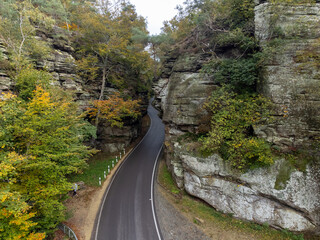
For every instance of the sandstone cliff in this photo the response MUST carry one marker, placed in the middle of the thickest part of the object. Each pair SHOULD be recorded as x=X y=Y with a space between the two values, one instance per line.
x=62 y=66
x=280 y=196
x=291 y=81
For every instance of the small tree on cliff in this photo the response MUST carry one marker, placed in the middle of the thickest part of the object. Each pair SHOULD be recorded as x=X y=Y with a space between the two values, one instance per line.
x=114 y=109
x=19 y=21
x=106 y=47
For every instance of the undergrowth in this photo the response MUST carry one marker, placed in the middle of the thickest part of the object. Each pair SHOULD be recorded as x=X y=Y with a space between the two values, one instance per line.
x=96 y=167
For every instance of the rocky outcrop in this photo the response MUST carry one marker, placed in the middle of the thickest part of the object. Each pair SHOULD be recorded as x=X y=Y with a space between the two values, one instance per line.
x=254 y=195
x=62 y=66
x=281 y=195
x=182 y=90
x=113 y=139
x=291 y=79
x=6 y=84
x=180 y=93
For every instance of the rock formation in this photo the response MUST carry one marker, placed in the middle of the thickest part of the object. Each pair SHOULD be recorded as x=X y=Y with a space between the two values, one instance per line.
x=62 y=65
x=6 y=84
x=280 y=196
x=291 y=81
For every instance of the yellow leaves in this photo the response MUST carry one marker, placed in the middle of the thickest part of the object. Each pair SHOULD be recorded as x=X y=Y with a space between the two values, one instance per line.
x=8 y=166
x=3 y=198
x=70 y=27
x=41 y=99
x=36 y=236
x=8 y=96
x=114 y=109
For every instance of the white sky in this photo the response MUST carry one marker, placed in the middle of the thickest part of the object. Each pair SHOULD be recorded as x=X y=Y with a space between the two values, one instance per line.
x=156 y=11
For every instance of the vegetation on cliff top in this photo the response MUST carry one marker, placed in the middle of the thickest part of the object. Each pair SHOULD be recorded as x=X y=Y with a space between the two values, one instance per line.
x=224 y=30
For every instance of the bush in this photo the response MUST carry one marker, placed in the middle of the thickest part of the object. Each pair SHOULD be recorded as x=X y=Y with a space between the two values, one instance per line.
x=28 y=79
x=240 y=74
x=231 y=134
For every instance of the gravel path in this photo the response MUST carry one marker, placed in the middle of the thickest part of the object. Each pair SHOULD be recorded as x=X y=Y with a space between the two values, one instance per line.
x=174 y=226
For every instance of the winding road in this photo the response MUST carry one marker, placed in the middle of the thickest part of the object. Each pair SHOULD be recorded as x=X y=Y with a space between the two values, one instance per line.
x=127 y=211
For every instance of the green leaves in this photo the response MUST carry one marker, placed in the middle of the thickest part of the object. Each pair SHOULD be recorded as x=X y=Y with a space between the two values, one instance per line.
x=28 y=79
x=111 y=46
x=18 y=23
x=240 y=74
x=41 y=142
x=231 y=134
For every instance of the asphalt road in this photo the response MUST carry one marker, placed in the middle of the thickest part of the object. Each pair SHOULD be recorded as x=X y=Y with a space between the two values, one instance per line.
x=127 y=212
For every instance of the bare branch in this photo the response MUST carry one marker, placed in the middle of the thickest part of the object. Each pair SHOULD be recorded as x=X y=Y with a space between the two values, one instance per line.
x=22 y=35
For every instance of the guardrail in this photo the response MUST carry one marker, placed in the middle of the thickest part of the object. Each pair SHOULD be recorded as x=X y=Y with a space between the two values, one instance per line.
x=68 y=231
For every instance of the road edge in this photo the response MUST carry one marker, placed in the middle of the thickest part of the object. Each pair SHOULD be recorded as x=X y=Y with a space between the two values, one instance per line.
x=154 y=213
x=94 y=233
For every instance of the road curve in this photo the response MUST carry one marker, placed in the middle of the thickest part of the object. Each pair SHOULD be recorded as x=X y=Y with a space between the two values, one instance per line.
x=127 y=211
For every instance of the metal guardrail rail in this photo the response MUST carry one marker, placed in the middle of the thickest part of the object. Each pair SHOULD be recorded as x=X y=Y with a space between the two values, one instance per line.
x=68 y=231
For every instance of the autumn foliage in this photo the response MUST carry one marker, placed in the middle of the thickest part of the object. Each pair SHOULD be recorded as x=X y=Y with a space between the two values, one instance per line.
x=40 y=144
x=115 y=109
x=70 y=27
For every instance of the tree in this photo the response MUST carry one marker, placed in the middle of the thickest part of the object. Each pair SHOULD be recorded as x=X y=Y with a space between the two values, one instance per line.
x=19 y=21
x=159 y=44
x=114 y=109
x=106 y=47
x=15 y=219
x=45 y=131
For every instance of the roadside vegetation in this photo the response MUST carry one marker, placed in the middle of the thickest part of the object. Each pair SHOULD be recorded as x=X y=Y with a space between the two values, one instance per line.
x=96 y=167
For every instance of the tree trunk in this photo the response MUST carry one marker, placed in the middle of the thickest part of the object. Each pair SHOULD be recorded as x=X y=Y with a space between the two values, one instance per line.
x=154 y=62
x=103 y=86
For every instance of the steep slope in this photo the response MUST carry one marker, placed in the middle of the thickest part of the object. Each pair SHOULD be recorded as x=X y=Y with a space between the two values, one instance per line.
x=281 y=195
x=61 y=64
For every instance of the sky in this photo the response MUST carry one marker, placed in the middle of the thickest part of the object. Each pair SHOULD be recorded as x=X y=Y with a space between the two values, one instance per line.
x=156 y=11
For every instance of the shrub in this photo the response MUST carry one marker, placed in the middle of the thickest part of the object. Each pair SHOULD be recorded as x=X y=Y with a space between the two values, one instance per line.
x=28 y=79
x=240 y=74
x=233 y=119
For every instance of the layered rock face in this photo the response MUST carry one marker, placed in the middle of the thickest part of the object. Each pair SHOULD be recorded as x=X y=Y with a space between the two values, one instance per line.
x=280 y=196
x=62 y=65
x=256 y=195
x=180 y=94
x=6 y=84
x=291 y=79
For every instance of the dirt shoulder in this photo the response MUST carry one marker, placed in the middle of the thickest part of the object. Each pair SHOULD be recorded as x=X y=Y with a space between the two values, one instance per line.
x=85 y=206
x=173 y=225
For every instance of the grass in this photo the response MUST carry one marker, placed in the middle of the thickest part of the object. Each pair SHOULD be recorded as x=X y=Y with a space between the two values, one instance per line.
x=166 y=180
x=224 y=222
x=97 y=165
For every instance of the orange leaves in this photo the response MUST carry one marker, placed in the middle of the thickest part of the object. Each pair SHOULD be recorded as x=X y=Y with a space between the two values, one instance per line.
x=36 y=236
x=115 y=109
x=71 y=27
x=15 y=218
